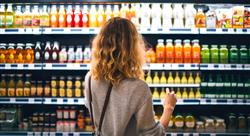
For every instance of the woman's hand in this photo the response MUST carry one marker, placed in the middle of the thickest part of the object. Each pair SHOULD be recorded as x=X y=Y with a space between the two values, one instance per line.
x=170 y=100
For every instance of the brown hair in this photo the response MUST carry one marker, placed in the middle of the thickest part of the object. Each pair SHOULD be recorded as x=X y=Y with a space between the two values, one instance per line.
x=118 y=52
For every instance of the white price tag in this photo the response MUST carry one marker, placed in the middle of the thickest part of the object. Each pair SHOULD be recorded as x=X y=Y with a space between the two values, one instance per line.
x=65 y=133
x=219 y=84
x=180 y=101
x=31 y=66
x=36 y=30
x=210 y=66
x=186 y=134
x=52 y=134
x=12 y=100
x=37 y=133
x=247 y=84
x=76 y=134
x=239 y=67
x=230 y=101
x=234 y=84
x=240 y=84
x=174 y=134
x=239 y=31
x=247 y=66
x=195 y=134
x=175 y=66
x=47 y=101
x=45 y=133
x=227 y=66
x=203 y=101
x=204 y=84
x=30 y=134
x=167 y=66
x=187 y=66
x=240 y=101
x=210 y=84
x=48 y=66
x=31 y=100
x=19 y=66
x=212 y=134
x=70 y=101
x=7 y=66
x=59 y=101
x=28 y=30
x=213 y=101
x=76 y=66
x=221 y=67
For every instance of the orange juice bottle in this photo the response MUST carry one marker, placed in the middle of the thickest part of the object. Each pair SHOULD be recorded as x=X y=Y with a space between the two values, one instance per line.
x=62 y=17
x=100 y=16
x=29 y=55
x=187 y=51
x=35 y=17
x=11 y=53
x=160 y=51
x=109 y=13
x=132 y=11
x=3 y=52
x=53 y=16
x=169 y=51
x=178 y=51
x=44 y=16
x=200 y=19
x=27 y=17
x=19 y=53
x=70 y=20
x=116 y=11
x=18 y=17
x=196 y=51
x=150 y=56
x=85 y=16
x=92 y=16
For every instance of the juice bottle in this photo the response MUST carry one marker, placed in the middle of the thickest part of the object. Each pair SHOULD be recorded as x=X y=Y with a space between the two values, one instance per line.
x=55 y=52
x=27 y=17
x=78 y=16
x=184 y=93
x=234 y=54
x=19 y=53
x=18 y=17
x=19 y=85
x=156 y=94
x=44 y=17
x=198 y=93
x=11 y=86
x=63 y=55
x=205 y=54
x=70 y=17
x=80 y=120
x=160 y=51
x=190 y=78
x=163 y=79
x=178 y=93
x=47 y=53
x=150 y=56
x=214 y=54
x=243 y=54
x=135 y=11
x=184 y=78
x=9 y=17
x=190 y=12
x=170 y=78
x=3 y=53
x=223 y=54
x=149 y=78
x=92 y=16
x=79 y=54
x=11 y=53
x=71 y=54
x=227 y=86
x=38 y=53
x=87 y=55
x=196 y=51
x=100 y=16
x=156 y=16
x=177 y=79
x=169 y=51
x=197 y=79
x=156 y=79
x=163 y=93
x=145 y=16
x=85 y=16
x=109 y=14
x=200 y=19
x=178 y=52
x=27 y=86
x=35 y=17
x=178 y=15
x=187 y=51
x=116 y=11
x=167 y=15
x=3 y=86
x=191 y=94
x=123 y=11
x=29 y=56
x=54 y=16
x=2 y=16
x=61 y=17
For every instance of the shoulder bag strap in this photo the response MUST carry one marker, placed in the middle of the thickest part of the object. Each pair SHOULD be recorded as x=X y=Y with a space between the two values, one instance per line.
x=90 y=102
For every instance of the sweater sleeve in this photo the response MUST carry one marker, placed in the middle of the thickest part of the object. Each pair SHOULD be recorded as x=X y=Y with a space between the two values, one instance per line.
x=146 y=124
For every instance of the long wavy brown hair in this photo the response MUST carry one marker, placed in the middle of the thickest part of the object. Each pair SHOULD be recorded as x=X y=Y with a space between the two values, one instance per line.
x=118 y=52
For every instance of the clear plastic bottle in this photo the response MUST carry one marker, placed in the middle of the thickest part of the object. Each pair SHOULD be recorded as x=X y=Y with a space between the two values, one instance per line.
x=100 y=16
x=79 y=54
x=87 y=55
x=156 y=16
x=145 y=16
x=167 y=15
x=190 y=12
x=108 y=13
x=44 y=16
x=18 y=17
x=63 y=55
x=70 y=21
x=85 y=16
x=178 y=15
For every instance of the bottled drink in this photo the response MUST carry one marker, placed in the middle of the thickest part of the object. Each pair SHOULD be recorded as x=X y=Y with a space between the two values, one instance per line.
x=19 y=85
x=79 y=54
x=184 y=93
x=80 y=120
x=150 y=56
x=167 y=15
x=71 y=54
x=156 y=94
x=38 y=53
x=3 y=53
x=9 y=17
x=170 y=78
x=196 y=51
x=149 y=79
x=87 y=55
x=156 y=16
x=27 y=17
x=47 y=53
x=234 y=54
x=19 y=53
x=85 y=16
x=178 y=15
x=178 y=93
x=11 y=53
x=27 y=86
x=35 y=17
x=177 y=79
x=11 y=86
x=92 y=16
x=29 y=55
x=191 y=94
x=197 y=78
x=178 y=50
x=190 y=78
x=163 y=79
x=169 y=51
x=160 y=51
x=3 y=85
x=145 y=16
x=214 y=54
x=187 y=52
x=205 y=54
x=163 y=93
x=54 y=16
x=108 y=13
x=44 y=17
x=243 y=54
x=18 y=17
x=189 y=12
x=55 y=52
x=116 y=11
x=63 y=55
x=2 y=16
x=62 y=17
x=200 y=19
x=135 y=9
x=70 y=17
x=156 y=79
x=100 y=16
x=223 y=54
x=77 y=16
x=184 y=78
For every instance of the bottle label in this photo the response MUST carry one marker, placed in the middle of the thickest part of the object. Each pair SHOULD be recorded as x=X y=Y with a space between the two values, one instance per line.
x=2 y=20
x=18 y=21
x=37 y=56
x=61 y=19
x=78 y=56
x=190 y=124
x=179 y=124
x=44 y=20
x=54 y=56
x=36 y=21
x=84 y=18
x=69 y=19
x=46 y=55
x=9 y=20
x=27 y=21
x=77 y=19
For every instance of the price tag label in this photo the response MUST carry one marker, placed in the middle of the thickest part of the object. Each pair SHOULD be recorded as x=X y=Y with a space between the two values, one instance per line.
x=19 y=66
x=213 y=101
x=247 y=84
x=76 y=66
x=36 y=30
x=31 y=100
x=81 y=101
x=76 y=134
x=167 y=66
x=186 y=134
x=227 y=66
x=240 y=84
x=239 y=31
x=240 y=101
x=45 y=133
x=180 y=101
x=29 y=30
x=210 y=84
x=70 y=101
x=175 y=66
x=174 y=134
x=195 y=134
x=65 y=133
x=239 y=67
x=48 y=66
x=7 y=66
x=187 y=66
x=37 y=133
x=52 y=134
x=30 y=134
x=203 y=101
x=210 y=66
x=212 y=134
x=203 y=84
x=230 y=101
x=12 y=100
x=221 y=67
x=59 y=101
x=47 y=101
x=247 y=66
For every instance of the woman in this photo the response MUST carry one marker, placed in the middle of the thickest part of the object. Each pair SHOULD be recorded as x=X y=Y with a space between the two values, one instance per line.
x=117 y=59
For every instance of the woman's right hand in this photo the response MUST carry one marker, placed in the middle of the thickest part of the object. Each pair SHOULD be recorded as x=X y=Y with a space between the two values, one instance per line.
x=170 y=100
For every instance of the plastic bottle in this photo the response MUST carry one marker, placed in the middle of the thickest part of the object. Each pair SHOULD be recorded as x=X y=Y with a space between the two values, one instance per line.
x=11 y=53
x=19 y=53
x=79 y=54
x=70 y=18
x=108 y=13
x=155 y=94
x=234 y=54
x=135 y=9
x=145 y=16
x=198 y=93
x=71 y=54
x=184 y=93
x=87 y=55
x=156 y=79
x=205 y=54
x=3 y=53
x=190 y=78
x=29 y=55
x=167 y=15
x=44 y=17
x=150 y=56
x=156 y=16
x=77 y=16
x=187 y=53
x=177 y=79
x=85 y=16
x=47 y=53
x=19 y=85
x=178 y=51
x=9 y=17
x=214 y=54
x=35 y=17
x=92 y=16
x=54 y=16
x=163 y=79
x=170 y=78
x=2 y=16
x=3 y=85
x=149 y=79
x=62 y=17
x=196 y=51
x=55 y=52
x=160 y=51
x=178 y=15
x=189 y=13
x=27 y=17
x=243 y=54
x=18 y=17
x=178 y=93
x=80 y=120
x=197 y=79
x=191 y=94
x=116 y=11
x=200 y=19
x=169 y=51
x=63 y=55
x=163 y=93
x=184 y=78
x=38 y=53
x=223 y=54
x=100 y=16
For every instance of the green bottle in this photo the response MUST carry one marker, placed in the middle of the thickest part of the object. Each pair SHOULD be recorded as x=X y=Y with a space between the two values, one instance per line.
x=233 y=88
x=205 y=54
x=223 y=54
x=234 y=54
x=243 y=54
x=219 y=87
x=214 y=54
x=211 y=87
x=227 y=86
x=240 y=87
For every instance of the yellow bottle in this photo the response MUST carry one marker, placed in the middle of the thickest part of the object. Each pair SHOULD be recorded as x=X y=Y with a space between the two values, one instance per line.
x=184 y=78
x=9 y=17
x=184 y=93
x=198 y=93
x=163 y=79
x=178 y=93
x=190 y=79
x=156 y=94
x=163 y=93
x=2 y=15
x=177 y=79
x=191 y=94
x=197 y=78
x=148 y=79
x=156 y=79
x=170 y=78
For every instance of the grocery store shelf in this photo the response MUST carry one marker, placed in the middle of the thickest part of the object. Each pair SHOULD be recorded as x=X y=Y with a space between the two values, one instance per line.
x=70 y=30
x=35 y=66
x=224 y=66
x=24 y=133
x=64 y=101
x=168 y=66
x=20 y=31
x=174 y=85
x=9 y=100
x=224 y=31
x=66 y=66
x=205 y=134
x=170 y=31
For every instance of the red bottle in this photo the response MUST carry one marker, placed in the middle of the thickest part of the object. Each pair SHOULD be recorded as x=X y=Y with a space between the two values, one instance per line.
x=78 y=16
x=85 y=16
x=55 y=53
x=47 y=53
x=70 y=17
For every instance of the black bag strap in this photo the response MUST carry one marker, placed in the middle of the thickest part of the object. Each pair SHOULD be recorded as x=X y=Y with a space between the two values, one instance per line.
x=104 y=106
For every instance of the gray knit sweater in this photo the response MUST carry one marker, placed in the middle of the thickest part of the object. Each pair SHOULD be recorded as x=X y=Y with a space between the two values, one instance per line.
x=130 y=110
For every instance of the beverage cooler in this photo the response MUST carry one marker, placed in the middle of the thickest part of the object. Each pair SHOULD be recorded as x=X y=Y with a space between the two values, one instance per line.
x=199 y=49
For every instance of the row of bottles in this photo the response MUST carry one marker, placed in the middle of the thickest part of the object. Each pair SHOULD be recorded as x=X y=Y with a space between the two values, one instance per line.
x=224 y=54
x=179 y=52
x=49 y=52
x=17 y=86
x=183 y=78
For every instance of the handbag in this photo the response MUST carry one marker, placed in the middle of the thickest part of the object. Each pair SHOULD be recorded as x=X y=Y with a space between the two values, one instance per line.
x=99 y=130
